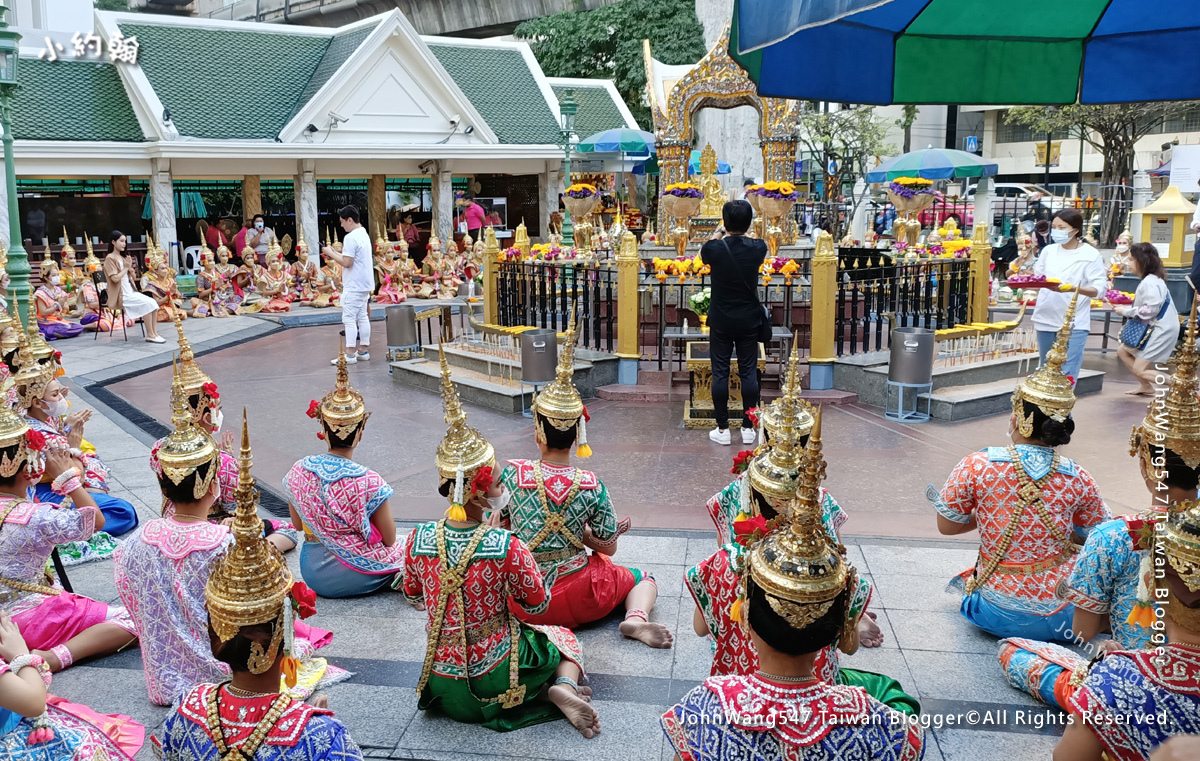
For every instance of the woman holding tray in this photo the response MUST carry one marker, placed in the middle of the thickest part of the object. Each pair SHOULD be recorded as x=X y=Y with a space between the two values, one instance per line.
x=1154 y=322
x=1077 y=266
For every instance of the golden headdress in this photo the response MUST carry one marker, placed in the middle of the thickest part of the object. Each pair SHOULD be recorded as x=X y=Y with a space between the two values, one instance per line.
x=774 y=471
x=224 y=248
x=48 y=262
x=778 y=417
x=13 y=430
x=559 y=401
x=1048 y=388
x=32 y=376
x=1173 y=420
x=42 y=351
x=301 y=246
x=342 y=409
x=337 y=244
x=67 y=250
x=206 y=253
x=248 y=249
x=251 y=582
x=801 y=571
x=381 y=241
x=186 y=448
x=90 y=262
x=195 y=382
x=463 y=451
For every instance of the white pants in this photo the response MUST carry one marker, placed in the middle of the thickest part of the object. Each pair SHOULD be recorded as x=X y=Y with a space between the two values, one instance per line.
x=356 y=317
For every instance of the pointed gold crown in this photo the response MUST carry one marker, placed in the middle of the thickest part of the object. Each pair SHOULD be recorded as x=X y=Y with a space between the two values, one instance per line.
x=301 y=246
x=381 y=241
x=342 y=409
x=559 y=402
x=801 y=571
x=463 y=450
x=206 y=253
x=1173 y=420
x=789 y=415
x=1048 y=388
x=250 y=583
x=41 y=350
x=191 y=376
x=66 y=249
x=248 y=249
x=90 y=261
x=337 y=244
x=12 y=431
x=48 y=262
x=33 y=376
x=187 y=447
x=223 y=247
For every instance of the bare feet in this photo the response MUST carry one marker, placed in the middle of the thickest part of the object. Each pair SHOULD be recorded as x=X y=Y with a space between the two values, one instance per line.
x=319 y=701
x=1140 y=391
x=869 y=633
x=576 y=708
x=652 y=634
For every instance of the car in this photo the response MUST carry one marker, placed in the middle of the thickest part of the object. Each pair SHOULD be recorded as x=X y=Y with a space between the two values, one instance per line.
x=1018 y=199
x=961 y=210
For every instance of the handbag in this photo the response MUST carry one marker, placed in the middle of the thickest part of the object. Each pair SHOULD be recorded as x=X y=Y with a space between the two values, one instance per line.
x=764 y=326
x=1136 y=334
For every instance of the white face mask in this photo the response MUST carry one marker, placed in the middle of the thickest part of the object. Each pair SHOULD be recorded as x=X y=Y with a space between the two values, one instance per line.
x=56 y=408
x=1122 y=248
x=501 y=502
x=218 y=420
x=1060 y=236
x=55 y=279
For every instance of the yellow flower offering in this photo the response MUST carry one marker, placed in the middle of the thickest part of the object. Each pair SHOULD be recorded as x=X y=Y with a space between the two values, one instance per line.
x=914 y=181
x=681 y=186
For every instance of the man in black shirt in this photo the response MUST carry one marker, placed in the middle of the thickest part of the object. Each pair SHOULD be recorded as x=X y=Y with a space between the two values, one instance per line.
x=735 y=314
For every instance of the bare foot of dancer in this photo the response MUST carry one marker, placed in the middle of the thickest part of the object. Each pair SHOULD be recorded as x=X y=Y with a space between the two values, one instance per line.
x=320 y=700
x=1141 y=391
x=635 y=626
x=869 y=633
x=576 y=708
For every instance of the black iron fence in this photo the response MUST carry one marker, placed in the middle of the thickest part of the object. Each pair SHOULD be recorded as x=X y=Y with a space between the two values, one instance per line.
x=541 y=294
x=876 y=292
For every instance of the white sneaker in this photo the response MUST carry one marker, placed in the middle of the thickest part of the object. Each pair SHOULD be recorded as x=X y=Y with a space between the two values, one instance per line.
x=350 y=360
x=364 y=356
x=155 y=340
x=717 y=436
x=749 y=435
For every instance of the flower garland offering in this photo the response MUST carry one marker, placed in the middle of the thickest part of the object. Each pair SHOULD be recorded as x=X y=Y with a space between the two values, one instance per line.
x=683 y=190
x=783 y=190
x=1033 y=281
x=789 y=270
x=911 y=187
x=581 y=190
x=700 y=301
x=1118 y=297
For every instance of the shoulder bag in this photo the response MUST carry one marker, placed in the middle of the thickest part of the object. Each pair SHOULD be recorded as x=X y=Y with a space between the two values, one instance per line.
x=1136 y=334
x=764 y=326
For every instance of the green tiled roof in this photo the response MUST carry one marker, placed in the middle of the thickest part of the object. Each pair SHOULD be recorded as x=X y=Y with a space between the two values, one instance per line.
x=597 y=111
x=340 y=48
x=72 y=100
x=500 y=85
x=219 y=83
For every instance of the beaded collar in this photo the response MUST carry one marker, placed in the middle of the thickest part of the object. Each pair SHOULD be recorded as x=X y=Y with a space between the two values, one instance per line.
x=801 y=715
x=239 y=716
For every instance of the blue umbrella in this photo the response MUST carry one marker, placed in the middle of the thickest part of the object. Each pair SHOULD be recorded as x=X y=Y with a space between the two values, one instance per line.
x=634 y=141
x=932 y=164
x=694 y=165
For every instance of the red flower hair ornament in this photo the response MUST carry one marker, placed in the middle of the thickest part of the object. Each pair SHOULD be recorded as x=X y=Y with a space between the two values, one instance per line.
x=313 y=407
x=483 y=480
x=210 y=390
x=753 y=414
x=304 y=600
x=741 y=461
x=749 y=530
x=35 y=440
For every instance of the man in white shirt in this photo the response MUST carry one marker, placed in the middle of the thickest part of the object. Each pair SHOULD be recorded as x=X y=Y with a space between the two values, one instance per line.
x=358 y=281
x=260 y=237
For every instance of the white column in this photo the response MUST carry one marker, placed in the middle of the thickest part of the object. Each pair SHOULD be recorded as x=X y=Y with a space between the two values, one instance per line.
x=306 y=204
x=549 y=184
x=858 y=225
x=983 y=205
x=443 y=204
x=162 y=199
x=1142 y=196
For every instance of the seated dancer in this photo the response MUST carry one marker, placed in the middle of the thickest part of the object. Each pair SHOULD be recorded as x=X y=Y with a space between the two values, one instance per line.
x=162 y=569
x=44 y=401
x=205 y=305
x=1133 y=701
x=560 y=512
x=350 y=545
x=247 y=278
x=302 y=274
x=250 y=596
x=159 y=284
x=798 y=602
x=1106 y=583
x=227 y=290
x=37 y=726
x=273 y=283
x=387 y=272
x=88 y=297
x=61 y=627
x=204 y=405
x=482 y=665
x=50 y=302
x=717 y=585
x=1027 y=501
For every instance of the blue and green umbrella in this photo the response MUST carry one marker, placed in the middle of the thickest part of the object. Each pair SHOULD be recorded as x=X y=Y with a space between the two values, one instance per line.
x=933 y=164
x=632 y=141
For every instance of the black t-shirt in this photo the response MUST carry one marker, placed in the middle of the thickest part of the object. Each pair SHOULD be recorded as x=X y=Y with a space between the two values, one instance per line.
x=734 y=307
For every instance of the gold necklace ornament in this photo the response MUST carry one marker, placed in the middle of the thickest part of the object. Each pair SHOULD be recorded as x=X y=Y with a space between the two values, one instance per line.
x=245 y=750
x=553 y=520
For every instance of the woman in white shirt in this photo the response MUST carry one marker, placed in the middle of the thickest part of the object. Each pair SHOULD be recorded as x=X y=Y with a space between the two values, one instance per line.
x=1079 y=266
x=1151 y=305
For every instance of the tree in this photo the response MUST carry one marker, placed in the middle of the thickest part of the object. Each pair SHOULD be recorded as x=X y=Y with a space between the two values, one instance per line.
x=114 y=5
x=905 y=122
x=848 y=138
x=1113 y=130
x=606 y=43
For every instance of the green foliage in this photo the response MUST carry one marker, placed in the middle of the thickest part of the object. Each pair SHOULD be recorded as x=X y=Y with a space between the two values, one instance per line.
x=606 y=43
x=114 y=5
x=851 y=136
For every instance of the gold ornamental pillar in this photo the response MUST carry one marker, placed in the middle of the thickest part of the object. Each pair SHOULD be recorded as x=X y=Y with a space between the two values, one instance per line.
x=824 y=323
x=673 y=158
x=981 y=273
x=251 y=196
x=628 y=350
x=491 y=277
x=779 y=164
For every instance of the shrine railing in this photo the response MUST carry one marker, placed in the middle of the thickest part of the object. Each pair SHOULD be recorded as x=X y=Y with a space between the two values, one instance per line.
x=541 y=293
x=876 y=292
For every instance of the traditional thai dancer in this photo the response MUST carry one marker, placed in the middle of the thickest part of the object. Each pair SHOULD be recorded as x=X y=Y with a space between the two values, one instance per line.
x=247 y=278
x=50 y=301
x=482 y=665
x=273 y=284
x=1131 y=702
x=250 y=597
x=1027 y=502
x=206 y=304
x=303 y=273
x=61 y=627
x=561 y=512
x=389 y=291
x=159 y=283
x=88 y=297
x=161 y=570
x=799 y=588
x=228 y=292
x=1106 y=584
x=350 y=545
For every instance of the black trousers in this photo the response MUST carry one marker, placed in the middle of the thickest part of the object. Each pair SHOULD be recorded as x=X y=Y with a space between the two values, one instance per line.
x=721 y=346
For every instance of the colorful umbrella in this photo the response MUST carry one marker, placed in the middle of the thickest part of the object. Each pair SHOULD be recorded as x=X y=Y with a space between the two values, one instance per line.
x=633 y=141
x=651 y=165
x=932 y=164
x=994 y=52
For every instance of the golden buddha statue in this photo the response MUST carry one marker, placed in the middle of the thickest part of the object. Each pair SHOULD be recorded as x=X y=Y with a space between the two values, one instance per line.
x=714 y=194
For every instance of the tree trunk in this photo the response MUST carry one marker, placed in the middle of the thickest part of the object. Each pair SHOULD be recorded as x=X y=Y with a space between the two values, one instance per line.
x=1118 y=159
x=907 y=138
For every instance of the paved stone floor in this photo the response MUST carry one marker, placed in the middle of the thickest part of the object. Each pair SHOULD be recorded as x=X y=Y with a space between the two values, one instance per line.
x=659 y=473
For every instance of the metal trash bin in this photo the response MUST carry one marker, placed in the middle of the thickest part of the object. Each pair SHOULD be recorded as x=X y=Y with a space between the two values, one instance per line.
x=539 y=356
x=910 y=374
x=401 y=322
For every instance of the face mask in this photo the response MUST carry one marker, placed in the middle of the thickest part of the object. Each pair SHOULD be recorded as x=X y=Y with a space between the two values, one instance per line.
x=258 y=225
x=217 y=421
x=1060 y=236
x=1122 y=248
x=55 y=279
x=501 y=502
x=57 y=408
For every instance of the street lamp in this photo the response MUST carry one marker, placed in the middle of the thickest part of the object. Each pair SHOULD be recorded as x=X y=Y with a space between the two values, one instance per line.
x=18 y=259
x=567 y=108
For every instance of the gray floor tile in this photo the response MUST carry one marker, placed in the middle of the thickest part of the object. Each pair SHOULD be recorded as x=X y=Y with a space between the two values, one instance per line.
x=979 y=745
x=378 y=715
x=943 y=632
x=606 y=651
x=917 y=561
x=963 y=676
x=391 y=640
x=632 y=550
x=914 y=593
x=700 y=548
